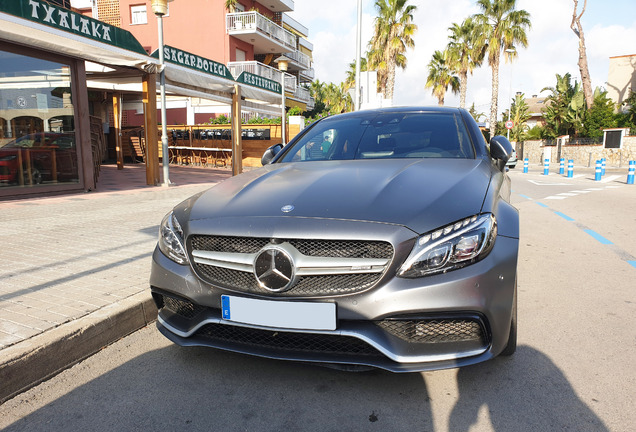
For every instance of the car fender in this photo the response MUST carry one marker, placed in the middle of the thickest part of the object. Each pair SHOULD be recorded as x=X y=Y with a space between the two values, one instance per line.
x=497 y=201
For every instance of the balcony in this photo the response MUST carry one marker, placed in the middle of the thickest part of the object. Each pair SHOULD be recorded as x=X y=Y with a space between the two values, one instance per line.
x=311 y=104
x=264 y=71
x=266 y=36
x=279 y=5
x=299 y=61
x=307 y=74
x=302 y=94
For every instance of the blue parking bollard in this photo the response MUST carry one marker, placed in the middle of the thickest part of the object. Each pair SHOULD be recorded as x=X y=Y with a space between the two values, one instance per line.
x=525 y=166
x=630 y=173
x=562 y=166
x=571 y=168
x=602 y=167
x=597 y=175
x=546 y=166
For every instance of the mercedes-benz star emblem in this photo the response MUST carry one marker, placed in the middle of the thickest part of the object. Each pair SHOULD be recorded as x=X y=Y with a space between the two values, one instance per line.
x=274 y=269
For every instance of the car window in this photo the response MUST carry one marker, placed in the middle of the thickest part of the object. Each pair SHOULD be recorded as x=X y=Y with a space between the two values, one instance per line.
x=387 y=135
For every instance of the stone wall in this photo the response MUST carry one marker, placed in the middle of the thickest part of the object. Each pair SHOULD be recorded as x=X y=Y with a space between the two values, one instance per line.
x=583 y=155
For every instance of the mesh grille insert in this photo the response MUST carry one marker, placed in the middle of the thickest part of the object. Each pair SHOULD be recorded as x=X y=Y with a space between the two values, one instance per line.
x=298 y=342
x=435 y=330
x=182 y=307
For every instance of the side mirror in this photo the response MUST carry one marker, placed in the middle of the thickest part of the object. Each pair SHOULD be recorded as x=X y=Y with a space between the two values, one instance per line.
x=270 y=153
x=500 y=150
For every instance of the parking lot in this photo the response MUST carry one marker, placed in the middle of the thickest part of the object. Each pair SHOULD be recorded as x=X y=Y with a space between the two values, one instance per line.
x=573 y=369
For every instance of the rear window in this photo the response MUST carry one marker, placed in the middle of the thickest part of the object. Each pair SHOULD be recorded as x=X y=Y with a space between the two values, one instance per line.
x=386 y=135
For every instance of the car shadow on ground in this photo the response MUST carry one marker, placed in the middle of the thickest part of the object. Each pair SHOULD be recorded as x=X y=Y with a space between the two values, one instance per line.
x=524 y=392
x=194 y=389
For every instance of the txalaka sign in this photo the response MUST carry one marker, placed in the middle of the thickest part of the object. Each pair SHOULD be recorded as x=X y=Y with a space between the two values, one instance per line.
x=56 y=16
x=63 y=19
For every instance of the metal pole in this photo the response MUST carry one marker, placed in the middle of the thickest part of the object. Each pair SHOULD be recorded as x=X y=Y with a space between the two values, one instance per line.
x=162 y=90
x=283 y=117
x=510 y=99
x=356 y=102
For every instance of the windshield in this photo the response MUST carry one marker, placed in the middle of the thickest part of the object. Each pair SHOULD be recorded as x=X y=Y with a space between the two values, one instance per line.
x=387 y=135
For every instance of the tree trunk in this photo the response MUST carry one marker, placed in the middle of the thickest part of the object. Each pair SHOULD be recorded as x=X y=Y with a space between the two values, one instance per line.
x=495 y=95
x=586 y=80
x=463 y=85
x=390 y=81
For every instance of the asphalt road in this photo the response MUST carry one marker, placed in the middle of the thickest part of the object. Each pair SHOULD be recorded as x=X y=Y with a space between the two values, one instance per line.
x=574 y=368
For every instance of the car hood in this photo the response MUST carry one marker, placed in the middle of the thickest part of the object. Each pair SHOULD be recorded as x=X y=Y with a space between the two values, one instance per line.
x=422 y=194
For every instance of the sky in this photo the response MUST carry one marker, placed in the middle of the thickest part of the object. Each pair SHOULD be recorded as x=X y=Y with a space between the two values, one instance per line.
x=609 y=27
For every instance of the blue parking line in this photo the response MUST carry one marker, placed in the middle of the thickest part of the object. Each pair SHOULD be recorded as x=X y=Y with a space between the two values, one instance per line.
x=526 y=197
x=598 y=237
x=632 y=263
x=541 y=204
x=564 y=216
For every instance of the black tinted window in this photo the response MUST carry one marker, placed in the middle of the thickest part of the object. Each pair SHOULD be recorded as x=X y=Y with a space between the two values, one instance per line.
x=388 y=135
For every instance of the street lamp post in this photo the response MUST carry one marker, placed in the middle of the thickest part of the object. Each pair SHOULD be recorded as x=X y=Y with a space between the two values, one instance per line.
x=283 y=65
x=160 y=8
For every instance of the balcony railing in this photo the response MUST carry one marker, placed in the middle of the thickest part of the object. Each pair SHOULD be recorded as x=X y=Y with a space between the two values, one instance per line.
x=262 y=70
x=302 y=94
x=311 y=104
x=300 y=58
x=253 y=22
x=309 y=74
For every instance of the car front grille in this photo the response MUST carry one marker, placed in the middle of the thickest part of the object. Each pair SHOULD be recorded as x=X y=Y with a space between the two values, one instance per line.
x=305 y=286
x=179 y=306
x=288 y=341
x=436 y=330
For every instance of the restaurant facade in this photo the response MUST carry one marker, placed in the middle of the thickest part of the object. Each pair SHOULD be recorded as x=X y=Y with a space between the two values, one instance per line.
x=63 y=74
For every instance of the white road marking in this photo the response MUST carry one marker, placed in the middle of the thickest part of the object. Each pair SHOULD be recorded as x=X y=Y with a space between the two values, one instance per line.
x=538 y=183
x=610 y=178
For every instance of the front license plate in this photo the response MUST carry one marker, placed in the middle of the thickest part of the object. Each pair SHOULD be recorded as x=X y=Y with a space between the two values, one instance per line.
x=279 y=314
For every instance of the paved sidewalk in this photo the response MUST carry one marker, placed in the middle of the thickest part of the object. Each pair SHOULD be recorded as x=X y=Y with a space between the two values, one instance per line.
x=74 y=269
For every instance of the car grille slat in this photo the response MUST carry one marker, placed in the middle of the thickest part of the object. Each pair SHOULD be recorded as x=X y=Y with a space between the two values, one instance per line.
x=306 y=286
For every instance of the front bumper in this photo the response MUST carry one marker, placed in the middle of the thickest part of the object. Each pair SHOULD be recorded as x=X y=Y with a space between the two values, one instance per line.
x=478 y=298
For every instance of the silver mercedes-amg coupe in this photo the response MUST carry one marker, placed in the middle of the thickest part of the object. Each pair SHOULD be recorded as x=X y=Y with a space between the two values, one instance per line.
x=380 y=238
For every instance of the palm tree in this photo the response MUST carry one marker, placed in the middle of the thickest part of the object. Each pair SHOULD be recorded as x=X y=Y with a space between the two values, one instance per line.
x=502 y=27
x=465 y=53
x=564 y=107
x=350 y=79
x=394 y=30
x=440 y=76
x=230 y=5
x=519 y=114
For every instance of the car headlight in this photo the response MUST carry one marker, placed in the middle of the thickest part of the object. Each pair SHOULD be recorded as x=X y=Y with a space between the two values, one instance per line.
x=8 y=158
x=171 y=239
x=451 y=247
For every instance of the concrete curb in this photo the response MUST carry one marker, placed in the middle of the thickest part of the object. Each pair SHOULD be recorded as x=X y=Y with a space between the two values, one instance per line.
x=37 y=359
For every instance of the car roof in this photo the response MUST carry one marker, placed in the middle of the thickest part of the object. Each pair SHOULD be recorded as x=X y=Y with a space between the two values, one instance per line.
x=401 y=110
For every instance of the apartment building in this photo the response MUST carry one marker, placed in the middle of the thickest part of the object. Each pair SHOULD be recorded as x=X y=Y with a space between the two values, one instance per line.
x=255 y=37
